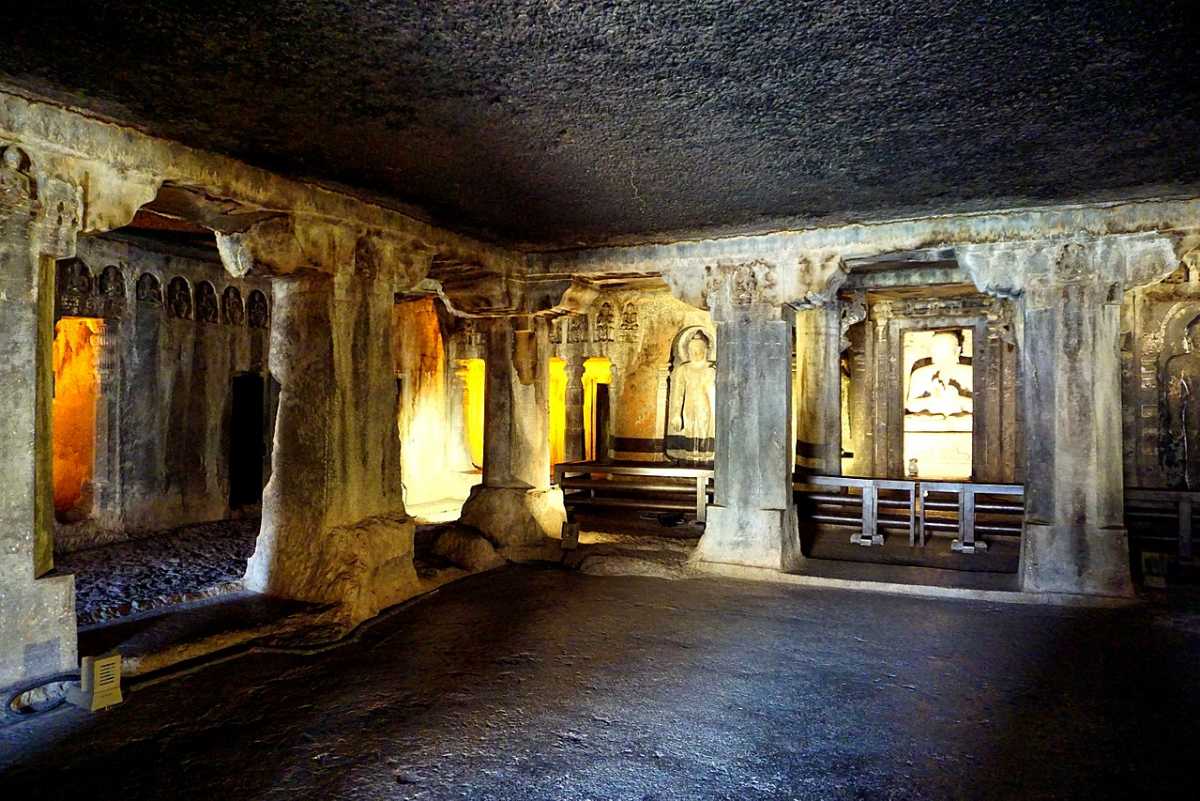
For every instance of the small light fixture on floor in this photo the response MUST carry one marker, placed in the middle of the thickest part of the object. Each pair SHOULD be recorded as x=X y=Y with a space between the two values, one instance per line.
x=99 y=683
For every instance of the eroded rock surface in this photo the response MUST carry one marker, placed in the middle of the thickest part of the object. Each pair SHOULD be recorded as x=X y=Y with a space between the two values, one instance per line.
x=116 y=580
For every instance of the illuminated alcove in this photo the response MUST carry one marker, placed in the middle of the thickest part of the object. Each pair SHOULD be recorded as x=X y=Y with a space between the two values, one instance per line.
x=558 y=410
x=938 y=403
x=471 y=374
x=419 y=350
x=596 y=371
x=76 y=392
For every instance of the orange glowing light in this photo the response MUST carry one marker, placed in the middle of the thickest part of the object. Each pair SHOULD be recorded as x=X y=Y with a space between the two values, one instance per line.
x=596 y=370
x=471 y=372
x=76 y=390
x=558 y=411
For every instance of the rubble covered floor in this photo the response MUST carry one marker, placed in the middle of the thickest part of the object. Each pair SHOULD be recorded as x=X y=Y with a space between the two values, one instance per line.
x=182 y=564
x=536 y=684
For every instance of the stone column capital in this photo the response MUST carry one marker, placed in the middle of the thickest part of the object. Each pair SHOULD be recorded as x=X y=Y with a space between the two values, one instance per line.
x=1116 y=262
x=291 y=243
x=47 y=208
x=757 y=289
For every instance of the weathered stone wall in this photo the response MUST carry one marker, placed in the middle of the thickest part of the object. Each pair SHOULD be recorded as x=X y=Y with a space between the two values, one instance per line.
x=1155 y=349
x=423 y=420
x=177 y=330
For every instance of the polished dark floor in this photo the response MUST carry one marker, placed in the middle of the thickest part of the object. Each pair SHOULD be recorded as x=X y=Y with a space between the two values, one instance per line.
x=543 y=684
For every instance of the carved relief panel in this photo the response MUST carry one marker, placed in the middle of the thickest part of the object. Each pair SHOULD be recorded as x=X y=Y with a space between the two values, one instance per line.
x=179 y=299
x=75 y=297
x=258 y=314
x=207 y=309
x=231 y=303
x=691 y=400
x=149 y=290
x=1160 y=366
x=577 y=329
x=604 y=322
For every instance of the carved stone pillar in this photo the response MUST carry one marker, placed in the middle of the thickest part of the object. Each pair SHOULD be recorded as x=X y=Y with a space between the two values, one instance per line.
x=333 y=527
x=37 y=616
x=1074 y=539
x=819 y=390
x=753 y=518
x=574 y=450
x=515 y=504
x=106 y=480
x=1074 y=511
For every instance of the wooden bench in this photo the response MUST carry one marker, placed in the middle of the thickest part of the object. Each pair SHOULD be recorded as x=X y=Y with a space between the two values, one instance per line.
x=652 y=487
x=1148 y=510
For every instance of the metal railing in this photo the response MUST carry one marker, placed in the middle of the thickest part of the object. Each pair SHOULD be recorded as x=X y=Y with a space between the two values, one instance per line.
x=960 y=501
x=856 y=503
x=919 y=509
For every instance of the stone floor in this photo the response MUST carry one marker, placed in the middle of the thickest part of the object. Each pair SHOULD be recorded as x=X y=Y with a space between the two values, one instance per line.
x=544 y=684
x=182 y=564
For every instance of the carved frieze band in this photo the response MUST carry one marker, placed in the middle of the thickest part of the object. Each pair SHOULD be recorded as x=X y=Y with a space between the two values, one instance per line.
x=81 y=295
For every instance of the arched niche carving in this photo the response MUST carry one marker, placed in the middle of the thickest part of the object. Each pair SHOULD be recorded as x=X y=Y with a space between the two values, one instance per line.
x=258 y=313
x=231 y=303
x=605 y=318
x=207 y=308
x=111 y=292
x=577 y=328
x=179 y=298
x=691 y=398
x=1177 y=342
x=148 y=289
x=629 y=322
x=75 y=296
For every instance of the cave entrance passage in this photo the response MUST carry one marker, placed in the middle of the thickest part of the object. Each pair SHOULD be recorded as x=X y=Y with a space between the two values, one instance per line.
x=246 y=450
x=76 y=394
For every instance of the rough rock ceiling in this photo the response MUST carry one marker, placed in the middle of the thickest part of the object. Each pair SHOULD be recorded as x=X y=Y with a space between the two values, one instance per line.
x=559 y=122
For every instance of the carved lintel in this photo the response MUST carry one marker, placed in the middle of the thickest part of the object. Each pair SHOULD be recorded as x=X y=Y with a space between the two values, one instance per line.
x=1036 y=267
x=286 y=244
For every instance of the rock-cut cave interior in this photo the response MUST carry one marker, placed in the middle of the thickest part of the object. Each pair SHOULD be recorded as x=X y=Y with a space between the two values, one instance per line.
x=540 y=399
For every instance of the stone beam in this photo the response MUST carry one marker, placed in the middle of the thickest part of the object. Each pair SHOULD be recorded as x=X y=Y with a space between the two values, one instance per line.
x=115 y=159
x=288 y=244
x=682 y=264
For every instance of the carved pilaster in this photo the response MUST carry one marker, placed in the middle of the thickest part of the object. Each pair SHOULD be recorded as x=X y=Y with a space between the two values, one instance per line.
x=39 y=221
x=1070 y=294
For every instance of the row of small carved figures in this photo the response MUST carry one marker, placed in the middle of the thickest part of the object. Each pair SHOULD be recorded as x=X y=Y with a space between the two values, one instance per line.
x=577 y=326
x=79 y=293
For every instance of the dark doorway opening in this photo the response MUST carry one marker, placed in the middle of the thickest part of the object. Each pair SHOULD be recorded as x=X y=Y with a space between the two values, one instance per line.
x=600 y=424
x=246 y=446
